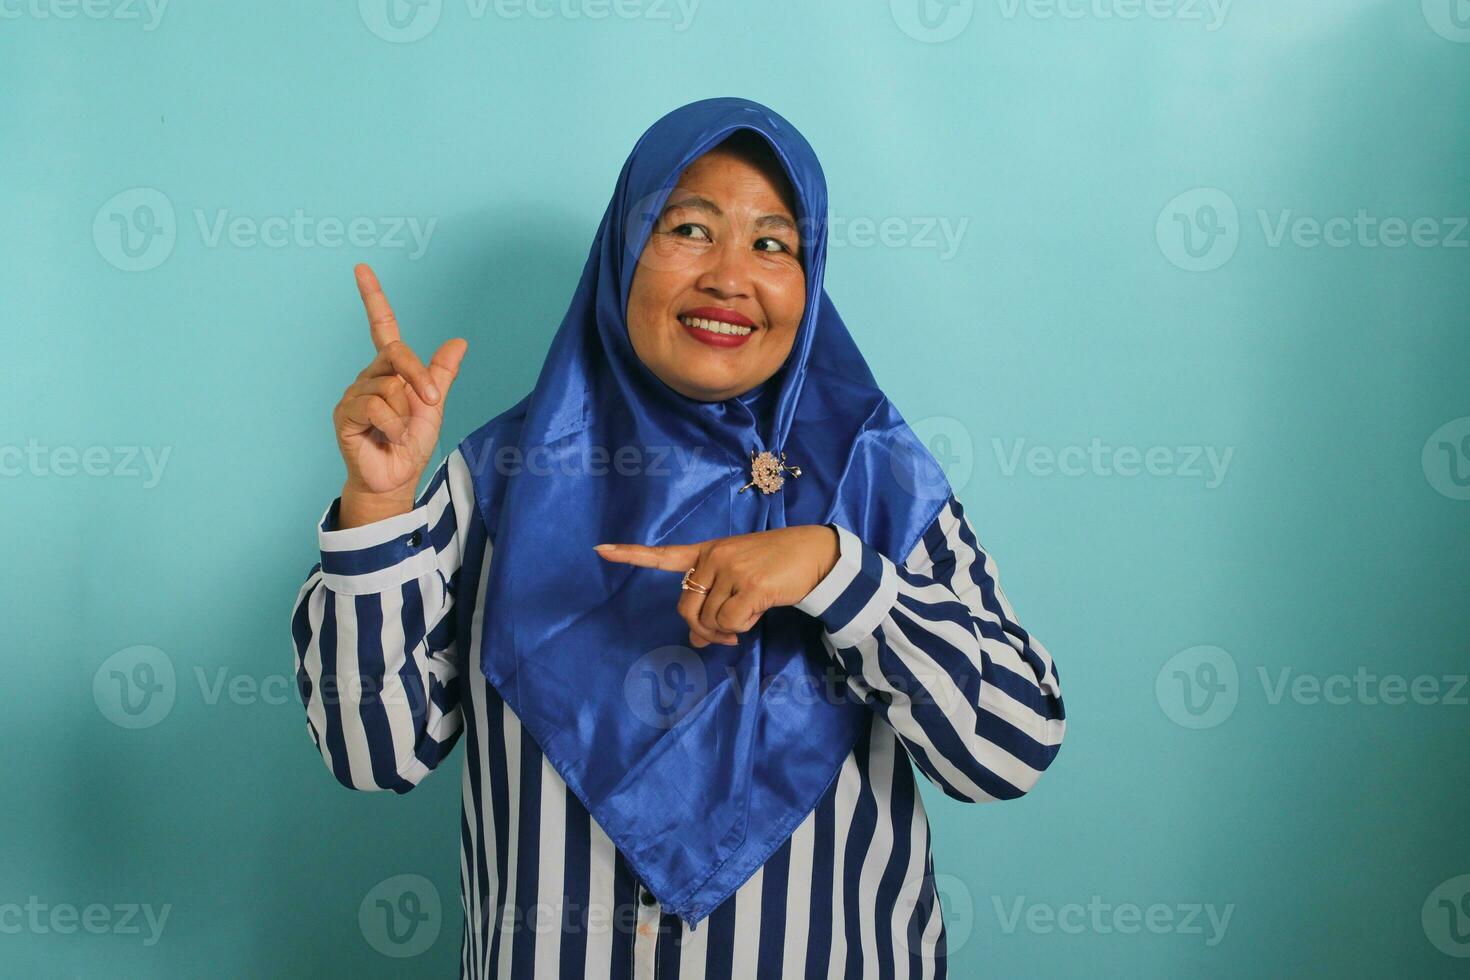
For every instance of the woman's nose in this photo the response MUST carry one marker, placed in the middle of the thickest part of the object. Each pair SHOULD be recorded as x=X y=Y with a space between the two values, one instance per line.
x=728 y=272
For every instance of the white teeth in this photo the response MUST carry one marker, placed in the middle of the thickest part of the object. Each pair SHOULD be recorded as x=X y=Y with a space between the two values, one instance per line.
x=715 y=326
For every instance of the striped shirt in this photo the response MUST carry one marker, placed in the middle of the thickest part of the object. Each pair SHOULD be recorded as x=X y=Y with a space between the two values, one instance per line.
x=956 y=687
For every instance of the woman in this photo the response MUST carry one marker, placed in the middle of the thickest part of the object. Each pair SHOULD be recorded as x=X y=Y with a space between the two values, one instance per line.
x=661 y=599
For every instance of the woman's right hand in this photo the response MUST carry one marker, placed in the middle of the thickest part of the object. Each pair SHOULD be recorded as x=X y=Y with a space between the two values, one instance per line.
x=388 y=420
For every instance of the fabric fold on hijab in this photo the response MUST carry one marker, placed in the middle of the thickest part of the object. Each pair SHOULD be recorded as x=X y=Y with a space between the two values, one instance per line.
x=698 y=764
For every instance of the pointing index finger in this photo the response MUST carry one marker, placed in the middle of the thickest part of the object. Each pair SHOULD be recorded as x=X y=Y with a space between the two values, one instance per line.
x=668 y=558
x=381 y=322
x=384 y=327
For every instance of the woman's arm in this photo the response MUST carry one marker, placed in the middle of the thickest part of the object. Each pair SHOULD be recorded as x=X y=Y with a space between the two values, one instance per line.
x=934 y=647
x=374 y=635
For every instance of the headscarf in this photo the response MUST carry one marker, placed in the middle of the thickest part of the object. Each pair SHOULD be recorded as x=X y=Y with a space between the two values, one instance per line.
x=700 y=764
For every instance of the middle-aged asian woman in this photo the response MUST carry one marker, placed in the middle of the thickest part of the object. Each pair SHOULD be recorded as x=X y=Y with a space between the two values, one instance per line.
x=694 y=605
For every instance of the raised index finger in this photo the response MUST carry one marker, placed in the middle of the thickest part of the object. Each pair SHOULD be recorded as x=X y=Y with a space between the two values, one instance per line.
x=381 y=321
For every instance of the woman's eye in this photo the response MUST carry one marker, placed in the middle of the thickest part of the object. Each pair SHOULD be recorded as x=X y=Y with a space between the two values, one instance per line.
x=679 y=230
x=780 y=245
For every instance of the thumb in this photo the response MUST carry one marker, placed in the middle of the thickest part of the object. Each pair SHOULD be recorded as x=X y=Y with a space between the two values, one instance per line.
x=444 y=365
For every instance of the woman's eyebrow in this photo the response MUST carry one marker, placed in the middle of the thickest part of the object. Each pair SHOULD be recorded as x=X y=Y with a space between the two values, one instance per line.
x=699 y=203
x=696 y=202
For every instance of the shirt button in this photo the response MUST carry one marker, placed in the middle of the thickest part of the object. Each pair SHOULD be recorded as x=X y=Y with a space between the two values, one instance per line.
x=415 y=539
x=646 y=896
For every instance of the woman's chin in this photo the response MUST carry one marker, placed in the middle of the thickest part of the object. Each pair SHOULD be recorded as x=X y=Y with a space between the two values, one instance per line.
x=710 y=378
x=710 y=387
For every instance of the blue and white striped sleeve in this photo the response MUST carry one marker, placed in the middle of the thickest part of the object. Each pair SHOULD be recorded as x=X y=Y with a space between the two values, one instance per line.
x=934 y=647
x=374 y=634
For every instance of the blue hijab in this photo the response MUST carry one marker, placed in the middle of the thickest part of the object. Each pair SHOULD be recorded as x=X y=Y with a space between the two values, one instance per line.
x=697 y=764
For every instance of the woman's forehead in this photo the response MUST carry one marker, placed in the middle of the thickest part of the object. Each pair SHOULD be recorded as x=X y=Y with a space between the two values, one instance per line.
x=723 y=176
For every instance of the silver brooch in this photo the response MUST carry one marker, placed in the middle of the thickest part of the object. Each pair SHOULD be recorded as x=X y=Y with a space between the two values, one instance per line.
x=766 y=470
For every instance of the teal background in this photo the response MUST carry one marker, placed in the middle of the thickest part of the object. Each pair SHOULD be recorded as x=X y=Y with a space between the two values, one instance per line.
x=1335 y=542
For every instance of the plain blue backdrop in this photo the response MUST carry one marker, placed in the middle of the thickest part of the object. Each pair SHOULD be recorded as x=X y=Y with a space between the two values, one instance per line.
x=1177 y=289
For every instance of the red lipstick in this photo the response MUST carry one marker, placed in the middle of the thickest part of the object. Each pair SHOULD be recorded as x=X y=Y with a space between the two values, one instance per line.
x=712 y=338
x=721 y=314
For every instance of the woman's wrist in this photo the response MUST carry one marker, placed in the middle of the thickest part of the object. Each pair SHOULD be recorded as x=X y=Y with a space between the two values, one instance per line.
x=827 y=549
x=360 y=507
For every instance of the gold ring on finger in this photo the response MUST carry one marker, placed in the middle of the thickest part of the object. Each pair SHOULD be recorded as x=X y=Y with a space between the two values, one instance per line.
x=692 y=585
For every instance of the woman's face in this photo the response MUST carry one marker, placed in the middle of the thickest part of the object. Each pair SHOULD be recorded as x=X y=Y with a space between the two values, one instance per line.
x=719 y=290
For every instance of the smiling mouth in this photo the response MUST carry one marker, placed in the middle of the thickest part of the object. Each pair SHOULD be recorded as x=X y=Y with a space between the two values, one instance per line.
x=716 y=327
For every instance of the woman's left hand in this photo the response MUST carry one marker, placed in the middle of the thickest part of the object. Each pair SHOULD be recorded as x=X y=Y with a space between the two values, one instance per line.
x=746 y=574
